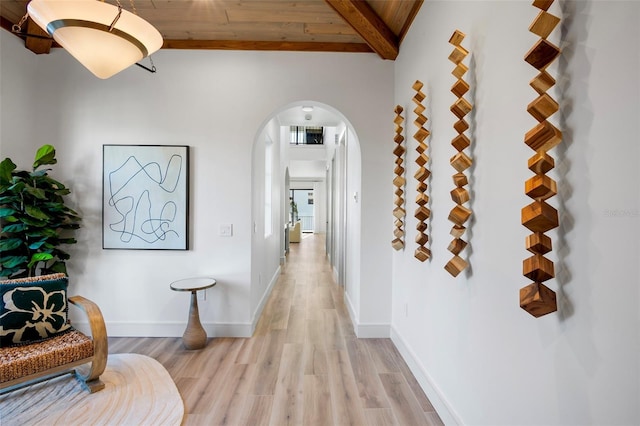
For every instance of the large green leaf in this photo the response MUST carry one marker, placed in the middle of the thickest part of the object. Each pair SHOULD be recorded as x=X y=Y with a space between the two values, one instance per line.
x=43 y=232
x=6 y=211
x=33 y=222
x=6 y=167
x=58 y=267
x=14 y=227
x=36 y=245
x=7 y=244
x=54 y=183
x=45 y=155
x=17 y=187
x=36 y=192
x=40 y=173
x=36 y=213
x=39 y=257
x=12 y=261
x=7 y=199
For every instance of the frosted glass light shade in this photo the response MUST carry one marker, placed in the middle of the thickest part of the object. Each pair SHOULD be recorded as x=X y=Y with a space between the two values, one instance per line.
x=82 y=28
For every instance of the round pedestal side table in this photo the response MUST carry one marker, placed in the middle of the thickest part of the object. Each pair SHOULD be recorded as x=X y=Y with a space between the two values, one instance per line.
x=195 y=336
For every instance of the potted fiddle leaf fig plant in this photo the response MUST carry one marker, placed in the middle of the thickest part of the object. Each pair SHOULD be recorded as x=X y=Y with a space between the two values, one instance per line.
x=34 y=220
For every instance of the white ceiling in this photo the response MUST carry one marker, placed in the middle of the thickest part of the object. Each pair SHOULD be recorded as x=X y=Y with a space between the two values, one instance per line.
x=307 y=170
x=320 y=116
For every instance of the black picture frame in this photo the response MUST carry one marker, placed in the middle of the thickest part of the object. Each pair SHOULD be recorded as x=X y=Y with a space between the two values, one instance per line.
x=145 y=197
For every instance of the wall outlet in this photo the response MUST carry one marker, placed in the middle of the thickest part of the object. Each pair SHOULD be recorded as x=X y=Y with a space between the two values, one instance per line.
x=226 y=230
x=406 y=310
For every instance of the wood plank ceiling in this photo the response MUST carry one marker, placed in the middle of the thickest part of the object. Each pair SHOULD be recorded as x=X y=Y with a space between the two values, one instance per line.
x=304 y=25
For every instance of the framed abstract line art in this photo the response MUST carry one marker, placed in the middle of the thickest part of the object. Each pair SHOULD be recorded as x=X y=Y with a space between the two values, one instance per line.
x=145 y=197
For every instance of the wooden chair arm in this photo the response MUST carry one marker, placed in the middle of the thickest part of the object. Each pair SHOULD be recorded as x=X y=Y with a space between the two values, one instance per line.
x=98 y=334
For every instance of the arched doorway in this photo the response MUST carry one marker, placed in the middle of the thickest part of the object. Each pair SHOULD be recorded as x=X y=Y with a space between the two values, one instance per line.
x=330 y=170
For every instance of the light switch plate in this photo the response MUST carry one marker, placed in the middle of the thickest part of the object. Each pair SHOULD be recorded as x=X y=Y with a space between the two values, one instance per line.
x=226 y=230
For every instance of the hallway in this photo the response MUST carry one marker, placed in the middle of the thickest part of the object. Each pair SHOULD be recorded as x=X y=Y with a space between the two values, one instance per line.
x=303 y=365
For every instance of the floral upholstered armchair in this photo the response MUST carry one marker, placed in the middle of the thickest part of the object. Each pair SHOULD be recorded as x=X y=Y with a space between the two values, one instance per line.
x=37 y=340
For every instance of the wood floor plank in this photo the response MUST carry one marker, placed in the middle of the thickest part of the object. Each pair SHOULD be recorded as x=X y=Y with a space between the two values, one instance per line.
x=280 y=313
x=389 y=359
x=191 y=389
x=347 y=407
x=288 y=399
x=227 y=378
x=296 y=327
x=269 y=363
x=215 y=359
x=248 y=353
x=228 y=400
x=317 y=401
x=424 y=402
x=300 y=293
x=333 y=338
x=315 y=360
x=404 y=404
x=370 y=388
x=383 y=358
x=303 y=366
x=380 y=417
x=315 y=332
x=322 y=296
x=257 y=410
x=433 y=419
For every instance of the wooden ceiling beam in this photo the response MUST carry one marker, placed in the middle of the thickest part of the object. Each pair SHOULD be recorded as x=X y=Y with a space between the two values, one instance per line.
x=40 y=44
x=35 y=44
x=409 y=20
x=266 y=45
x=364 y=20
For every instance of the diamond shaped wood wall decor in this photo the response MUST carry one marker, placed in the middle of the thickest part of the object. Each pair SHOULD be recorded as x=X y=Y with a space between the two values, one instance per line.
x=422 y=213
x=539 y=216
x=399 y=181
x=460 y=161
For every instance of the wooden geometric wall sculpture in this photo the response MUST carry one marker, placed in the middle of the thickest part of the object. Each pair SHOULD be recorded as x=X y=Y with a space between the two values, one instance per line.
x=422 y=213
x=461 y=161
x=540 y=217
x=399 y=181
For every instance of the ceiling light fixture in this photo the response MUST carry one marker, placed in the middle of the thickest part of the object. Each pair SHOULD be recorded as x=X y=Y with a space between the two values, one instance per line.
x=104 y=38
x=307 y=108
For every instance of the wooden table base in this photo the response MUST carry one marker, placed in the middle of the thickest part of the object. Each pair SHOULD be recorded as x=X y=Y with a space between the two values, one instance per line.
x=194 y=337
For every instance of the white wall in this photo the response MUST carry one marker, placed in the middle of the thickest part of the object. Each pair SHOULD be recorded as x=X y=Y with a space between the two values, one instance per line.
x=266 y=246
x=214 y=101
x=320 y=207
x=482 y=359
x=16 y=95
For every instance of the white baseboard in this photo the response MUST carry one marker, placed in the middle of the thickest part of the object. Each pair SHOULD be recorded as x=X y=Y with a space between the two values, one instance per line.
x=365 y=330
x=437 y=398
x=373 y=331
x=168 y=329
x=263 y=300
x=352 y=312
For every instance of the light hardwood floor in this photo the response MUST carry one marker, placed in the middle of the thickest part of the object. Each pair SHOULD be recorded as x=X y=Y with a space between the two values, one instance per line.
x=303 y=365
